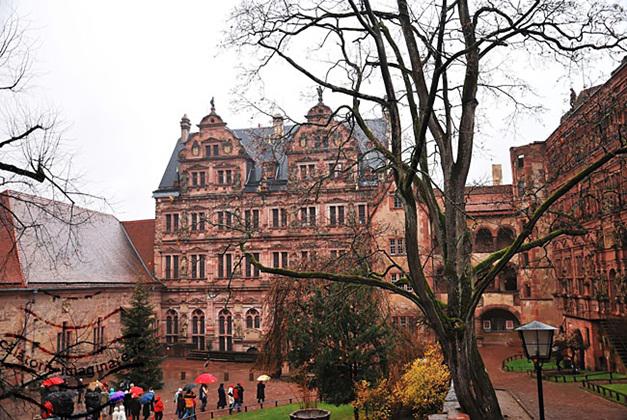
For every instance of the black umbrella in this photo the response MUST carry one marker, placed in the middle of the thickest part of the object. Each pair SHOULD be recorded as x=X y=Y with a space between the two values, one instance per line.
x=189 y=387
x=62 y=402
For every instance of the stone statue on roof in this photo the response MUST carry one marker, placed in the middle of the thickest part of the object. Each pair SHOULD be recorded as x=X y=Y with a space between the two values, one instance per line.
x=319 y=90
x=573 y=97
x=213 y=104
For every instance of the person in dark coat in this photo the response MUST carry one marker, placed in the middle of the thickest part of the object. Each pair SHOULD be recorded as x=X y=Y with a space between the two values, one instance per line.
x=92 y=403
x=146 y=408
x=202 y=395
x=261 y=392
x=180 y=404
x=221 y=397
x=127 y=404
x=240 y=393
x=135 y=407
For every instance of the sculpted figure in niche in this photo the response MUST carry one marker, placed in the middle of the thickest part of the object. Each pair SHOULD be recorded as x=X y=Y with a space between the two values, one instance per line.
x=184 y=324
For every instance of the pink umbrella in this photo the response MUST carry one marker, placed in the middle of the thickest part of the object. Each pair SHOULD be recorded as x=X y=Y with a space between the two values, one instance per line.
x=206 y=378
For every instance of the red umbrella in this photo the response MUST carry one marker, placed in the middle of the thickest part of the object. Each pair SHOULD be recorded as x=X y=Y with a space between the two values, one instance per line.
x=136 y=390
x=206 y=378
x=55 y=380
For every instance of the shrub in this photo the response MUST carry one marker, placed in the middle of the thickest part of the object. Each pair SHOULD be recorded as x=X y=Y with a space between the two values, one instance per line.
x=420 y=390
x=424 y=384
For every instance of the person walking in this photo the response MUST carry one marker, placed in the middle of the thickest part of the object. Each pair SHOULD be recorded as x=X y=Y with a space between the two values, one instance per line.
x=146 y=408
x=261 y=392
x=180 y=403
x=135 y=408
x=230 y=399
x=240 y=392
x=203 y=397
x=236 y=398
x=159 y=408
x=190 y=405
x=221 y=397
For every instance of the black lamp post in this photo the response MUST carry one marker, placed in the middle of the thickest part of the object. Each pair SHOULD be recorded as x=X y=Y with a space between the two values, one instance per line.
x=537 y=339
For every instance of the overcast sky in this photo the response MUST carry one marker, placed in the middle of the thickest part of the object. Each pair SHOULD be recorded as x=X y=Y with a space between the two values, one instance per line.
x=122 y=73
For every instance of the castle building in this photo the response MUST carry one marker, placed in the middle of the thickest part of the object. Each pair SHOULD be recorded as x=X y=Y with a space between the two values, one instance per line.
x=315 y=195
x=289 y=194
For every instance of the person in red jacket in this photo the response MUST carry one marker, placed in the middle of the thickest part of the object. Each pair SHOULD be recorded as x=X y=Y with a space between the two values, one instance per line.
x=158 y=408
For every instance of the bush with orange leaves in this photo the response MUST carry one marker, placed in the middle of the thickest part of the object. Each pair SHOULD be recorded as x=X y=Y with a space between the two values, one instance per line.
x=420 y=391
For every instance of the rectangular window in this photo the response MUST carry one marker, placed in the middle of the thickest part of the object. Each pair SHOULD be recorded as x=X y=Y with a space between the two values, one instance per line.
x=216 y=150
x=279 y=259
x=229 y=176
x=361 y=214
x=251 y=270
x=198 y=179
x=398 y=203
x=487 y=325
x=208 y=150
x=225 y=219
x=520 y=161
x=175 y=266
x=251 y=219
x=198 y=266
x=509 y=324
x=397 y=246
x=279 y=217
x=198 y=222
x=335 y=169
x=221 y=177
x=194 y=179
x=171 y=222
x=225 y=266
x=395 y=277
x=171 y=267
x=336 y=215
x=308 y=216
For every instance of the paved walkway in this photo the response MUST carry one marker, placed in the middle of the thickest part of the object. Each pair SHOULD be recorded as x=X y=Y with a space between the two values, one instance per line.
x=561 y=401
x=238 y=373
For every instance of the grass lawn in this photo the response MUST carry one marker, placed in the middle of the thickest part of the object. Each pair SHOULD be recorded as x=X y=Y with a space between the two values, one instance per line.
x=586 y=375
x=343 y=412
x=620 y=388
x=523 y=365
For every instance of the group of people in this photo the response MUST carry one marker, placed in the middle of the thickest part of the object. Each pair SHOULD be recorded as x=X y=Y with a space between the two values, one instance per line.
x=231 y=398
x=100 y=401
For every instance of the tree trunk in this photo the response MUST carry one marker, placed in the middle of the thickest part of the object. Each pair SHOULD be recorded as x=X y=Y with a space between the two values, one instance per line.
x=472 y=385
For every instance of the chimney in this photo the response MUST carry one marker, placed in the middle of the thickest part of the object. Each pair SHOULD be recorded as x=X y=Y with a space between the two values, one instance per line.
x=497 y=174
x=277 y=125
x=185 y=126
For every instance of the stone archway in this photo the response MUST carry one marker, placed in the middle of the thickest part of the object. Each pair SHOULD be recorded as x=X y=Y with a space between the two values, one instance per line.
x=498 y=318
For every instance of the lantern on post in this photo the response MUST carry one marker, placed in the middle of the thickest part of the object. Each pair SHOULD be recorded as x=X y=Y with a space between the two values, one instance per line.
x=537 y=339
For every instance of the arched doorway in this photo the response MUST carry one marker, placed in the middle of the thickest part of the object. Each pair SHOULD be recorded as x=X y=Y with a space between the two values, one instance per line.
x=498 y=320
x=225 y=330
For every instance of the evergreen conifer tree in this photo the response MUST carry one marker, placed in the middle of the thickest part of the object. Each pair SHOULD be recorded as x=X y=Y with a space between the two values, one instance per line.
x=140 y=342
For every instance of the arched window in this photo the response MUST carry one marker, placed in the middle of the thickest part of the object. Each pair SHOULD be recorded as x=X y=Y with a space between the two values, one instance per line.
x=198 y=329
x=171 y=326
x=225 y=330
x=504 y=237
x=253 y=319
x=484 y=241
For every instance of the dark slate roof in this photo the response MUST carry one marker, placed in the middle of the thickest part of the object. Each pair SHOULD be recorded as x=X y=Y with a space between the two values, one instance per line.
x=60 y=244
x=371 y=159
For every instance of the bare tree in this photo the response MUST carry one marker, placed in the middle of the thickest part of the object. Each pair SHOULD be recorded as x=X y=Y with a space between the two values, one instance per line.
x=425 y=64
